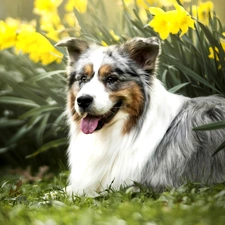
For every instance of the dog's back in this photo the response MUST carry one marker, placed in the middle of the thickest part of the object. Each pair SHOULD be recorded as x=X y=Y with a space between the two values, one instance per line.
x=186 y=155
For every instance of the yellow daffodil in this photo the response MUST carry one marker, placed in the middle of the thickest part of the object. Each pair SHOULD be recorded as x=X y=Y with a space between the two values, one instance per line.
x=171 y=21
x=80 y=5
x=159 y=23
x=7 y=35
x=104 y=43
x=214 y=51
x=44 y=6
x=115 y=37
x=9 y=30
x=70 y=19
x=50 y=19
x=184 y=19
x=13 y=23
x=203 y=11
x=53 y=34
x=69 y=6
x=37 y=47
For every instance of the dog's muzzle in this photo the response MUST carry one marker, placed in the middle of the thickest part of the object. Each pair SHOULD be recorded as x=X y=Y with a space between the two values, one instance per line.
x=92 y=121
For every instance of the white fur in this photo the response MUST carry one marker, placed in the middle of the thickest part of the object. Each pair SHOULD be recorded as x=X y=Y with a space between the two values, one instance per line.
x=102 y=103
x=107 y=156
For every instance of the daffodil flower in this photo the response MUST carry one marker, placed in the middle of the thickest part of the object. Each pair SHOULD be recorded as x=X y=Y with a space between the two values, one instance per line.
x=159 y=23
x=80 y=5
x=45 y=6
x=184 y=19
x=203 y=11
x=7 y=35
x=170 y=22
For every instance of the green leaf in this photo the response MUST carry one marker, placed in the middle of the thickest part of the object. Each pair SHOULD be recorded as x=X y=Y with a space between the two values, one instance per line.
x=10 y=123
x=46 y=75
x=211 y=126
x=3 y=150
x=81 y=21
x=41 y=128
x=204 y=49
x=41 y=109
x=178 y=87
x=18 y=101
x=60 y=121
x=18 y=135
x=52 y=144
x=221 y=147
x=23 y=91
x=190 y=72
x=208 y=34
x=53 y=94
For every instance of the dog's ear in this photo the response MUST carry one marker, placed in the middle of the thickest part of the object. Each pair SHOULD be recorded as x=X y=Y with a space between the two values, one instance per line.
x=74 y=46
x=144 y=51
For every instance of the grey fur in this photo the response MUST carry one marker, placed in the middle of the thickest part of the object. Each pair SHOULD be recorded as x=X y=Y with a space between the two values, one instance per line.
x=185 y=155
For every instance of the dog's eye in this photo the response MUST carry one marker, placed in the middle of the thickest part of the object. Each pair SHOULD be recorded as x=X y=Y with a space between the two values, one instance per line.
x=111 y=79
x=83 y=79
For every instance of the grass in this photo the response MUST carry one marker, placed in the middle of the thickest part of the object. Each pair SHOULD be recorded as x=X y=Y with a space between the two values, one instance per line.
x=44 y=202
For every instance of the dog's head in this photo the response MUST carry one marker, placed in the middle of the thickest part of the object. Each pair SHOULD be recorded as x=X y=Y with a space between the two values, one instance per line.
x=105 y=80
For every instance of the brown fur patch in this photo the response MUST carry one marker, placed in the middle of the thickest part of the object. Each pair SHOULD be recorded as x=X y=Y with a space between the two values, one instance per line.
x=88 y=70
x=104 y=71
x=133 y=100
x=71 y=104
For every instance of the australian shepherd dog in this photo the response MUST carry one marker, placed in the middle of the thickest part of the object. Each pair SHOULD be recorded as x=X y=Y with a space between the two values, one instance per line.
x=125 y=127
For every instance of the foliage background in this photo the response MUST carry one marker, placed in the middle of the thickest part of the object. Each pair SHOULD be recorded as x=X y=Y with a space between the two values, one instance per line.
x=32 y=95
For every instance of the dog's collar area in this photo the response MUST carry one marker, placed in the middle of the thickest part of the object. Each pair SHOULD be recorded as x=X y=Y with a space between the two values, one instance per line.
x=91 y=123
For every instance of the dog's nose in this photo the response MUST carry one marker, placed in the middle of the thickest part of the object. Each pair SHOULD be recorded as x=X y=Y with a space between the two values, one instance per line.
x=84 y=101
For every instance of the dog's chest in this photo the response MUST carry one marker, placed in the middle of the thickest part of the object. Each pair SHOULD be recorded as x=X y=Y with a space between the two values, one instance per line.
x=100 y=161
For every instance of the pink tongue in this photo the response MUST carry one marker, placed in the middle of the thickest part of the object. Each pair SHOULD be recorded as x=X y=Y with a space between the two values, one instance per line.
x=89 y=124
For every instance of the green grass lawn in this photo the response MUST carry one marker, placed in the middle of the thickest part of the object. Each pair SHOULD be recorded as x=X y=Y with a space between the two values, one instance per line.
x=44 y=202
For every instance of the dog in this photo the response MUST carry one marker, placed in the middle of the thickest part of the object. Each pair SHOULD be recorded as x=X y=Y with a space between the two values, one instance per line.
x=125 y=127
